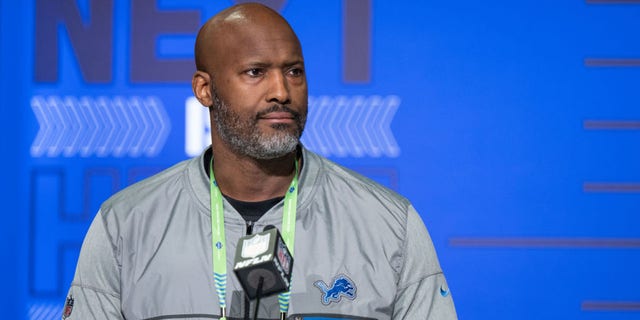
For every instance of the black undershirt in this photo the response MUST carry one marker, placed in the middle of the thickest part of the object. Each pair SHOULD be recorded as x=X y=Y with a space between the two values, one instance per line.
x=250 y=211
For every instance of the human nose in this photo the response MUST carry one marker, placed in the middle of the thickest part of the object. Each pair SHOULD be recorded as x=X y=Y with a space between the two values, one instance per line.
x=278 y=88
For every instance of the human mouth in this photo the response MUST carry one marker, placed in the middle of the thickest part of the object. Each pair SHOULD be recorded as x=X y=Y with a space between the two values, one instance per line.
x=278 y=117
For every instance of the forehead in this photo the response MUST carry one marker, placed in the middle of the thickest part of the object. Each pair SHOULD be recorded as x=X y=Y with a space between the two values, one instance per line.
x=272 y=44
x=245 y=41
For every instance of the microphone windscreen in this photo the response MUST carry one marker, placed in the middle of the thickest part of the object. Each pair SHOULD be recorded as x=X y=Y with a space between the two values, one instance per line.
x=263 y=256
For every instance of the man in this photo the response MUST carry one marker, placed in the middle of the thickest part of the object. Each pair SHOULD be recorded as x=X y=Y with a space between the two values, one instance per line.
x=361 y=251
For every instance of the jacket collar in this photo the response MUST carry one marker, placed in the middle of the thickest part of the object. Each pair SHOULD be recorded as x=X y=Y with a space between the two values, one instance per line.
x=198 y=181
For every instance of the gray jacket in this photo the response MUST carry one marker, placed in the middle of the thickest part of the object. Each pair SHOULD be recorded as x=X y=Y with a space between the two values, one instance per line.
x=147 y=254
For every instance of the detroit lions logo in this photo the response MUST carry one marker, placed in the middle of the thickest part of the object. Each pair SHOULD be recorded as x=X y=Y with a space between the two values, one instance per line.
x=342 y=287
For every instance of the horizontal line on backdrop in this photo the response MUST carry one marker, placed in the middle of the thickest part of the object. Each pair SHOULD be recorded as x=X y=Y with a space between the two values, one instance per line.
x=494 y=242
x=613 y=1
x=611 y=187
x=611 y=305
x=611 y=125
x=611 y=62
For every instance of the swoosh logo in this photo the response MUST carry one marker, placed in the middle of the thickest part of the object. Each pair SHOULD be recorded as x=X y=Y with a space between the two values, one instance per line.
x=444 y=292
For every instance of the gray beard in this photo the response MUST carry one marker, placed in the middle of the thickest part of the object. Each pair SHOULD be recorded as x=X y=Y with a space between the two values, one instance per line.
x=244 y=138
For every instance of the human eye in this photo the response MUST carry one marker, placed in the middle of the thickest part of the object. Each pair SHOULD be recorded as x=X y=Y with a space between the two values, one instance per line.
x=254 y=72
x=296 y=72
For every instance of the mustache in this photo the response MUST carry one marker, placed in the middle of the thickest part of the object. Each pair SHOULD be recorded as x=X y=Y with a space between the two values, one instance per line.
x=279 y=108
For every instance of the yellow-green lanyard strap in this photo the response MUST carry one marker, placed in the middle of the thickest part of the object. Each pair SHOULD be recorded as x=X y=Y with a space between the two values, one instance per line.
x=218 y=242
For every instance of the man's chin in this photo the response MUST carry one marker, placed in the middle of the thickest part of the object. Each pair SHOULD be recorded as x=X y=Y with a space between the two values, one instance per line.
x=275 y=151
x=268 y=147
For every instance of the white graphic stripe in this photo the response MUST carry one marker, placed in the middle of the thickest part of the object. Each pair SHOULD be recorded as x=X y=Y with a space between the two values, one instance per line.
x=355 y=126
x=102 y=126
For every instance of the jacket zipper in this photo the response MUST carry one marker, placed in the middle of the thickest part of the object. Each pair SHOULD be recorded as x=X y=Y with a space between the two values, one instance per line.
x=247 y=302
x=249 y=227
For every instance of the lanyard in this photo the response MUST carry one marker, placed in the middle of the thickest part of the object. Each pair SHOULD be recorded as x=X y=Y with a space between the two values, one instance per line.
x=218 y=242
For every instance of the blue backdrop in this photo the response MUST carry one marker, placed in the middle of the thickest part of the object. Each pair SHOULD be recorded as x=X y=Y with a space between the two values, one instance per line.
x=513 y=126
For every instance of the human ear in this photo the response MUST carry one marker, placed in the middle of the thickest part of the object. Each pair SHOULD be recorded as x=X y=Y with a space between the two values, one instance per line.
x=201 y=85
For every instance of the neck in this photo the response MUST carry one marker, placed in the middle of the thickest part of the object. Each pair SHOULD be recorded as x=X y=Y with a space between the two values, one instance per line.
x=247 y=179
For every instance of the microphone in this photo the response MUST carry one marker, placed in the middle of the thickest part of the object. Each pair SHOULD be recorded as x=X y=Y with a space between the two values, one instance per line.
x=263 y=263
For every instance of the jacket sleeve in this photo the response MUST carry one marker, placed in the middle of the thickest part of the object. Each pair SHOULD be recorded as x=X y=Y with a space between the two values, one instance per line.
x=422 y=289
x=95 y=290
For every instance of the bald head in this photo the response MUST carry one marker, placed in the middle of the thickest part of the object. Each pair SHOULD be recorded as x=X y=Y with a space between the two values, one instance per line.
x=235 y=26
